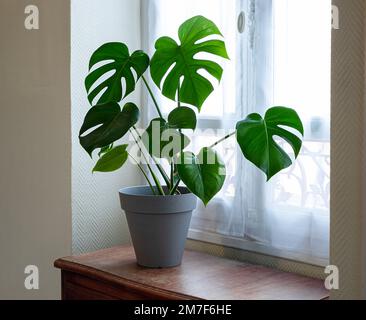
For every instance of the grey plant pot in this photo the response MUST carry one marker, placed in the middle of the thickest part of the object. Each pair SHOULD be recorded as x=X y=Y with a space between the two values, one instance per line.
x=158 y=224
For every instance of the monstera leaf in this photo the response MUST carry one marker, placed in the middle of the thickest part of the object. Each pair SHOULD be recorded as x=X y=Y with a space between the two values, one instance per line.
x=162 y=141
x=204 y=175
x=195 y=88
x=255 y=136
x=112 y=160
x=116 y=58
x=110 y=122
x=182 y=118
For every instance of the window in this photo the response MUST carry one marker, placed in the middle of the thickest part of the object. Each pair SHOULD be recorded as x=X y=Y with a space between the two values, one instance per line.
x=281 y=58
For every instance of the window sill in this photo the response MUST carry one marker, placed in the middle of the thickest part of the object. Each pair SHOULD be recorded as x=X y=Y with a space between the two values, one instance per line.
x=255 y=247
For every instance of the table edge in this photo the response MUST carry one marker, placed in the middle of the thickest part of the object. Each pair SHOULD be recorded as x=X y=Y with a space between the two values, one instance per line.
x=71 y=266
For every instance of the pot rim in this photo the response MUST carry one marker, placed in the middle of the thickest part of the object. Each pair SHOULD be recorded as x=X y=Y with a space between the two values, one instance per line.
x=141 y=200
x=125 y=192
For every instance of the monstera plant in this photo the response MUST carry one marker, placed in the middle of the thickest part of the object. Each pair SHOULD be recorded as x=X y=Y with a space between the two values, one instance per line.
x=175 y=70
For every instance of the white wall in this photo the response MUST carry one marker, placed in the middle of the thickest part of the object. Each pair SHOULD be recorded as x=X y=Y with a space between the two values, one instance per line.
x=35 y=162
x=97 y=218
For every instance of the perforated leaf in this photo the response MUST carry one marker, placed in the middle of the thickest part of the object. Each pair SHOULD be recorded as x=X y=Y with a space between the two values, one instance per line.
x=115 y=57
x=255 y=136
x=175 y=61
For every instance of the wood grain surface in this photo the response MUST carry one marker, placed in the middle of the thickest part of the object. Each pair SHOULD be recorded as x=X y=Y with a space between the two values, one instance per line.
x=113 y=274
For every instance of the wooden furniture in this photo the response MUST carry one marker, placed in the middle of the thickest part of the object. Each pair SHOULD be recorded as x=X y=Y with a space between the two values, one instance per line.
x=114 y=274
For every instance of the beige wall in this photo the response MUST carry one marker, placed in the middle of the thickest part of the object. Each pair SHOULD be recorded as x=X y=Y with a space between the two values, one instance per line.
x=35 y=162
x=98 y=221
x=348 y=227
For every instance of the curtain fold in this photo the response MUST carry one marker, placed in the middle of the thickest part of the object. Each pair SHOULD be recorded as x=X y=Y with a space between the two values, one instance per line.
x=289 y=216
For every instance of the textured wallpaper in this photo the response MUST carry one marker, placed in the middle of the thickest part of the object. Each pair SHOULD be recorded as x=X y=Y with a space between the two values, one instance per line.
x=348 y=144
x=98 y=221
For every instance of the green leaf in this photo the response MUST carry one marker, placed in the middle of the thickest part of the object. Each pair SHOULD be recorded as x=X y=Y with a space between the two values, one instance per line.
x=180 y=58
x=112 y=160
x=182 y=118
x=105 y=149
x=255 y=136
x=162 y=141
x=116 y=58
x=111 y=124
x=203 y=175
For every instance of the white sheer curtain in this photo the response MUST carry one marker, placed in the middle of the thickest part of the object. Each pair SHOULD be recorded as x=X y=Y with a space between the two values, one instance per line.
x=279 y=59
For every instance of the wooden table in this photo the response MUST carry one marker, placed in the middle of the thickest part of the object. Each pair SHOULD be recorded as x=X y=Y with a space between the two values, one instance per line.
x=114 y=274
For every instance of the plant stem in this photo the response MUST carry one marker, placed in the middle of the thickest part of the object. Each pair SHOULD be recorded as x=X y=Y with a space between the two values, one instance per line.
x=144 y=173
x=222 y=140
x=171 y=174
x=160 y=168
x=156 y=180
x=175 y=188
x=152 y=97
x=178 y=95
x=163 y=174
